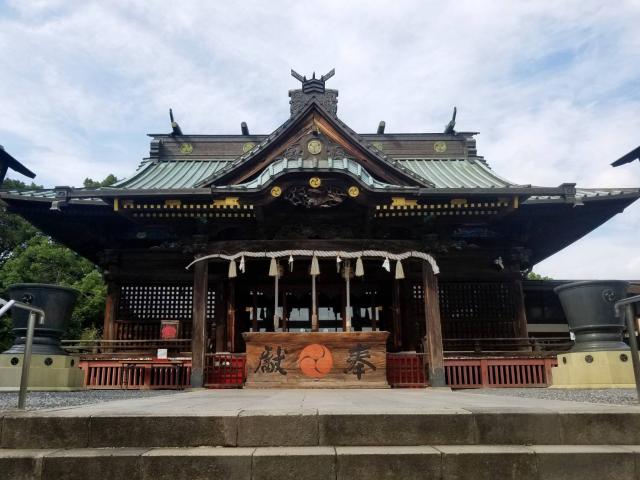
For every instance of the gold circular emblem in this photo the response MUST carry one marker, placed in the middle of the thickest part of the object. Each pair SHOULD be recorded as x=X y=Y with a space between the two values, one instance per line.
x=378 y=145
x=315 y=182
x=314 y=146
x=440 y=147
x=353 y=191
x=276 y=191
x=186 y=148
x=248 y=146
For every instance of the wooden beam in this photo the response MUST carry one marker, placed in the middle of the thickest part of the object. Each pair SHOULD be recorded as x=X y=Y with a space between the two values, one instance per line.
x=396 y=315
x=520 y=325
x=199 y=328
x=231 y=316
x=111 y=311
x=254 y=310
x=433 y=339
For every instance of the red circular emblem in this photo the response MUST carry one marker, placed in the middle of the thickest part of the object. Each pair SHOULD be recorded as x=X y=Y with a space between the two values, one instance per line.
x=315 y=360
x=168 y=332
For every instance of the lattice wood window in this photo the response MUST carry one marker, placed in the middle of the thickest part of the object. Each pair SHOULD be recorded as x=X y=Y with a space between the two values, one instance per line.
x=160 y=302
x=477 y=309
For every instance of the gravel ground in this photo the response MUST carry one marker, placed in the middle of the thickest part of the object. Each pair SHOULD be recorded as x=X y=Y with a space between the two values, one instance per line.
x=40 y=400
x=614 y=396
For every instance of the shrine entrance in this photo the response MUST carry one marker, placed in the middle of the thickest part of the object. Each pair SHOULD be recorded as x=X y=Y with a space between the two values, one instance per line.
x=324 y=319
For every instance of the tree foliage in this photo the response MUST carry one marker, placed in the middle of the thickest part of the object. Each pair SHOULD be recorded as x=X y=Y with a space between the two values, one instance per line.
x=90 y=183
x=29 y=256
x=537 y=276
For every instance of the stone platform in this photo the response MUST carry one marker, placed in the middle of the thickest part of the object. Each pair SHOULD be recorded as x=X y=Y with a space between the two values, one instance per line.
x=324 y=434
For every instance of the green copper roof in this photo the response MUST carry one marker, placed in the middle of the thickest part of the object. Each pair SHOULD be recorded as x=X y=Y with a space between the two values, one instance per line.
x=284 y=165
x=170 y=174
x=448 y=173
x=455 y=173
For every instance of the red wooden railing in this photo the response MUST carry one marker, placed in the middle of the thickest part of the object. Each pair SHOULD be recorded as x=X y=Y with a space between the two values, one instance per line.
x=499 y=372
x=225 y=370
x=405 y=370
x=136 y=375
x=409 y=370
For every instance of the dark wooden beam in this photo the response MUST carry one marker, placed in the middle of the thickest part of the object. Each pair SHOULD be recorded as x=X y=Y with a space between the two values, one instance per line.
x=396 y=315
x=111 y=311
x=433 y=338
x=520 y=327
x=199 y=332
x=231 y=316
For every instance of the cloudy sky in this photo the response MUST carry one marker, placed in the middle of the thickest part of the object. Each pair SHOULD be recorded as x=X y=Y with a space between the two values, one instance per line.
x=553 y=87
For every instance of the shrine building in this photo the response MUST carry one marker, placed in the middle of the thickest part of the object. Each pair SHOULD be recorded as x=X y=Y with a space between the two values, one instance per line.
x=318 y=251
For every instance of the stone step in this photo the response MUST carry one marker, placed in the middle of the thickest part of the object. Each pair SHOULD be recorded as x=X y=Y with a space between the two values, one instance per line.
x=450 y=462
x=63 y=429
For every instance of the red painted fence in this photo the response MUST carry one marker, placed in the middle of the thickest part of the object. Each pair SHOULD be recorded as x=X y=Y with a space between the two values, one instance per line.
x=499 y=372
x=408 y=370
x=404 y=370
x=136 y=375
x=225 y=370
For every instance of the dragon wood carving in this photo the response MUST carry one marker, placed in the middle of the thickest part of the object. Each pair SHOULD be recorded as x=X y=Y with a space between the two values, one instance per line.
x=303 y=196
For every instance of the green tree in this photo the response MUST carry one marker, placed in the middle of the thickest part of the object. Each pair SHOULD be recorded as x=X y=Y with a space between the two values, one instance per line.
x=29 y=256
x=537 y=276
x=108 y=181
x=14 y=230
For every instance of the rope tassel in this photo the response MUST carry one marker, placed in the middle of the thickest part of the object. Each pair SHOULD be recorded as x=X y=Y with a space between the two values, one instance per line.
x=291 y=263
x=242 y=264
x=359 y=267
x=315 y=266
x=399 y=270
x=232 y=269
x=273 y=267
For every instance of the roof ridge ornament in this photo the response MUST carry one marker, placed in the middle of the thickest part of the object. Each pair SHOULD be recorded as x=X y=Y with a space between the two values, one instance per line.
x=313 y=90
x=450 y=127
x=313 y=85
x=175 y=128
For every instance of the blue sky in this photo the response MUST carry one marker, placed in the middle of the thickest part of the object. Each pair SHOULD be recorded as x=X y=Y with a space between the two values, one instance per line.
x=553 y=87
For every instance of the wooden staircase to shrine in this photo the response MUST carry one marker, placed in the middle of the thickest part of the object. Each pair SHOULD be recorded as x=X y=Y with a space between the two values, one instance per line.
x=294 y=443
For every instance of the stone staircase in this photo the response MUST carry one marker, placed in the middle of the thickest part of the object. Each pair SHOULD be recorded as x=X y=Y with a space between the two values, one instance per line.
x=298 y=443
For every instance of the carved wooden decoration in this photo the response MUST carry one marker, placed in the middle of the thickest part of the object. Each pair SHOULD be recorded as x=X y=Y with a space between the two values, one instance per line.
x=316 y=360
x=322 y=197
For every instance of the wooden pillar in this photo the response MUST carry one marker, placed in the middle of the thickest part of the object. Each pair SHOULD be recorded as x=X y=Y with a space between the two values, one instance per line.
x=520 y=326
x=433 y=338
x=221 y=315
x=374 y=312
x=396 y=315
x=199 y=326
x=231 y=316
x=315 y=326
x=111 y=311
x=254 y=311
x=285 y=314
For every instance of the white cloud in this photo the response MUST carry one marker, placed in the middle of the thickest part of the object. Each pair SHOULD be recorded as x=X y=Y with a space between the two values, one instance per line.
x=552 y=86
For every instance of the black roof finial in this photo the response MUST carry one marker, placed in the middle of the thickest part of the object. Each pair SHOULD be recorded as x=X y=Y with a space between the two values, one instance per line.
x=629 y=157
x=175 y=128
x=313 y=85
x=450 y=128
